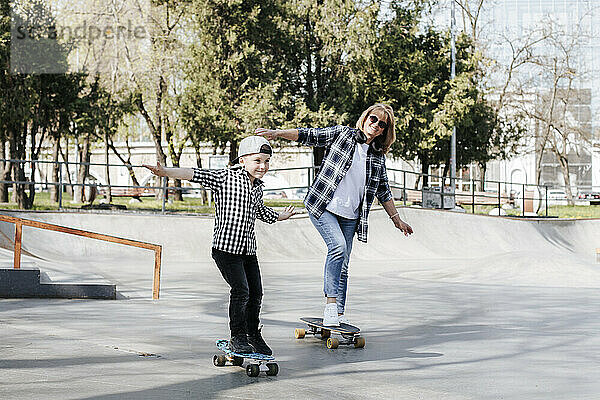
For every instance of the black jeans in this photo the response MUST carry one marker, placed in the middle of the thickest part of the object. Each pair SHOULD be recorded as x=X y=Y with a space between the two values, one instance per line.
x=242 y=273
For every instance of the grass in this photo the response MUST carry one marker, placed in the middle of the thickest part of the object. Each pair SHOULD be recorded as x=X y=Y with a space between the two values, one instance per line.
x=560 y=211
x=196 y=205
x=189 y=205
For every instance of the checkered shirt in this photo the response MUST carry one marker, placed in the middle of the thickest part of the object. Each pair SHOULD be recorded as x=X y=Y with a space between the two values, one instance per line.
x=237 y=205
x=340 y=142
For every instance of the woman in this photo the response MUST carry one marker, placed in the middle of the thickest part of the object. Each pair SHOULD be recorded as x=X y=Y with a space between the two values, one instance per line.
x=352 y=174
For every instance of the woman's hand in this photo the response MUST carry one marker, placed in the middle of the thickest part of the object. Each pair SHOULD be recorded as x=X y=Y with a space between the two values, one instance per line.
x=285 y=214
x=403 y=226
x=157 y=170
x=270 y=134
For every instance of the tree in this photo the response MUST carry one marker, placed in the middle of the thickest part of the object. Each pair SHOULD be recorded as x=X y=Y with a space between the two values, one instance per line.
x=236 y=71
x=559 y=127
x=411 y=71
x=335 y=39
x=35 y=100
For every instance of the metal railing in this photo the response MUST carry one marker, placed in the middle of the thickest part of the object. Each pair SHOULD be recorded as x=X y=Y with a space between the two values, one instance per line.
x=496 y=197
x=410 y=186
x=21 y=222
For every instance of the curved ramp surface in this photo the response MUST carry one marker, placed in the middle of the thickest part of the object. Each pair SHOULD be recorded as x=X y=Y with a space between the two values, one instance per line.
x=446 y=246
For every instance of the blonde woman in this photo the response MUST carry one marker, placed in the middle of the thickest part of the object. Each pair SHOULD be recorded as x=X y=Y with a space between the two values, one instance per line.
x=352 y=174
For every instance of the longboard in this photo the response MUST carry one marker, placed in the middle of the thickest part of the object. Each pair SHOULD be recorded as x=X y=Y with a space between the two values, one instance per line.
x=349 y=333
x=237 y=359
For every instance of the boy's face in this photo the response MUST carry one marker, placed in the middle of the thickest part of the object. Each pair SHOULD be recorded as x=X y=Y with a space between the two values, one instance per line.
x=256 y=164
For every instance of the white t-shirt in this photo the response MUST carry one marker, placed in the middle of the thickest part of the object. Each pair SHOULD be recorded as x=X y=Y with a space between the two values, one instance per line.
x=350 y=191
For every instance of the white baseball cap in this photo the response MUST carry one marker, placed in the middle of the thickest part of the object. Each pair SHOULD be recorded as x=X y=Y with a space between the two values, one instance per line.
x=253 y=145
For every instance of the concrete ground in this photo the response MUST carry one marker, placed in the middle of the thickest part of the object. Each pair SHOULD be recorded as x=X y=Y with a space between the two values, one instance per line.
x=469 y=307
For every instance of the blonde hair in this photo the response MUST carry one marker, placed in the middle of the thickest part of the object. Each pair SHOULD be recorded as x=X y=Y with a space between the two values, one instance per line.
x=383 y=142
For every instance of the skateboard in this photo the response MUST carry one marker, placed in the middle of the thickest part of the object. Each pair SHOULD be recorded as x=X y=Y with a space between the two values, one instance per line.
x=237 y=359
x=350 y=333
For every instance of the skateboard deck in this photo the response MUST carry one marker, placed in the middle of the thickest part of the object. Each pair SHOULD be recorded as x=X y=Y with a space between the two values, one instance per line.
x=349 y=333
x=237 y=359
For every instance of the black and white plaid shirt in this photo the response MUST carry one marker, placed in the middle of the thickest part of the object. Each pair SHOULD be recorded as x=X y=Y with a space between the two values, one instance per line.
x=340 y=142
x=237 y=205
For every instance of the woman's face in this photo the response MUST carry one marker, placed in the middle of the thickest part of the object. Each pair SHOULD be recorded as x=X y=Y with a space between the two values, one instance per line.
x=375 y=124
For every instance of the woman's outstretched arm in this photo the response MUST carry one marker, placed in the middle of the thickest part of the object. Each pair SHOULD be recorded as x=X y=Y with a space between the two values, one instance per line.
x=289 y=134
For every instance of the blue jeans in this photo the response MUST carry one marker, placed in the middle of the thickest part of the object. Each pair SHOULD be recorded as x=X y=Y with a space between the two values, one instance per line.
x=337 y=232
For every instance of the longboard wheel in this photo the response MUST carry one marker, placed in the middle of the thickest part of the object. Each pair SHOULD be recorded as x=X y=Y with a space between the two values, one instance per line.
x=273 y=369
x=237 y=361
x=359 y=342
x=219 y=361
x=252 y=370
x=299 y=333
x=332 y=343
x=325 y=333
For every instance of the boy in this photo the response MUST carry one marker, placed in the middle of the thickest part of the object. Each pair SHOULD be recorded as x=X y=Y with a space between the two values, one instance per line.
x=238 y=202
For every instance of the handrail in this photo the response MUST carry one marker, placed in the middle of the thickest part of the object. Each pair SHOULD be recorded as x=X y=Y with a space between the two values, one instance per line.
x=20 y=222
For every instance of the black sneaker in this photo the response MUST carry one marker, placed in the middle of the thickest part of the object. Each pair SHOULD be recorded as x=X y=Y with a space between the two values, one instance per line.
x=239 y=344
x=259 y=344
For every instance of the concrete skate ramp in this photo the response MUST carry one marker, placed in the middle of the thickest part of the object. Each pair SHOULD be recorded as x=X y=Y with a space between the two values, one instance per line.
x=446 y=246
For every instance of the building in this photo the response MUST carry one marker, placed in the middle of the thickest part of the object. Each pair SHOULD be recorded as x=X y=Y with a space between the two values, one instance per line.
x=505 y=26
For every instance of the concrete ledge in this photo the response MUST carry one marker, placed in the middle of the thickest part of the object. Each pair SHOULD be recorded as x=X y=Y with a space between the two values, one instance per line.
x=25 y=283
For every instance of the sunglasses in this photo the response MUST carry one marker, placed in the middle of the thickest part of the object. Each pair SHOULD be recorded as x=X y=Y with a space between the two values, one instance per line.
x=380 y=123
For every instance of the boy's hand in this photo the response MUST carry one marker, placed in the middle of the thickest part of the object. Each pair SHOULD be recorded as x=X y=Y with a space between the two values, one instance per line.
x=270 y=134
x=285 y=214
x=157 y=170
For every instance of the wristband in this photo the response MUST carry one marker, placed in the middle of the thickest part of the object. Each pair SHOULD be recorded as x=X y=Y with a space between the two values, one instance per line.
x=392 y=216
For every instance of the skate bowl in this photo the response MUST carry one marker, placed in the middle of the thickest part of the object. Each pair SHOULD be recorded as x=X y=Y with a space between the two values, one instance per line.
x=449 y=246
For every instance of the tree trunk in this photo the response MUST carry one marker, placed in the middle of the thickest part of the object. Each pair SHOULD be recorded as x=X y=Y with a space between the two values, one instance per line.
x=18 y=168
x=233 y=150
x=126 y=162
x=65 y=156
x=83 y=170
x=482 y=177
x=106 y=160
x=424 y=169
x=564 y=167
x=203 y=193
x=155 y=129
x=5 y=170
x=54 y=188
x=318 y=155
x=177 y=196
x=175 y=158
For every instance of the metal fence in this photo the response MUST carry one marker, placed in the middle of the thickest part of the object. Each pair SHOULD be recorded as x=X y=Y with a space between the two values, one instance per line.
x=407 y=186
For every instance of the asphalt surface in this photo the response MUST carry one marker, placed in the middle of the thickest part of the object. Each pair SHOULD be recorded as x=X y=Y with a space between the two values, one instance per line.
x=469 y=307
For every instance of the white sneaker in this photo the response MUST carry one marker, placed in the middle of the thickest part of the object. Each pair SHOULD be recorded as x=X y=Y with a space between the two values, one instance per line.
x=343 y=320
x=330 y=315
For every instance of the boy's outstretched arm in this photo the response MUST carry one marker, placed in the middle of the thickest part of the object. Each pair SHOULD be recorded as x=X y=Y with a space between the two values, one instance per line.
x=175 y=173
x=285 y=214
x=210 y=179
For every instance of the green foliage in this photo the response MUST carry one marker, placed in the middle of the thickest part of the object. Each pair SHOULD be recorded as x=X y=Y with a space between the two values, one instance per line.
x=97 y=111
x=411 y=71
x=235 y=70
x=234 y=65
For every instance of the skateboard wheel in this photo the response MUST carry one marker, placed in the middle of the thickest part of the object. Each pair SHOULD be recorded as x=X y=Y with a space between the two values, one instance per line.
x=237 y=361
x=252 y=370
x=325 y=333
x=332 y=343
x=299 y=333
x=273 y=369
x=219 y=361
x=359 y=342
